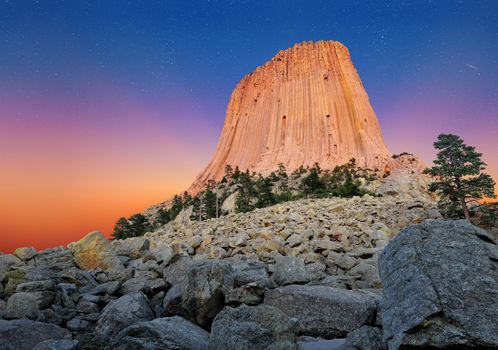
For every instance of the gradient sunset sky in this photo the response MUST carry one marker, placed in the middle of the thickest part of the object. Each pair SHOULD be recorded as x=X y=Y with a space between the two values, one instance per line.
x=107 y=107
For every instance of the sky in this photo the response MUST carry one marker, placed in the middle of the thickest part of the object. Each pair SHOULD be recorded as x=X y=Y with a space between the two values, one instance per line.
x=107 y=107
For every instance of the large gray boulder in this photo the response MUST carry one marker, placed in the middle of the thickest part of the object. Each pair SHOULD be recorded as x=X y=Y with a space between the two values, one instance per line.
x=7 y=261
x=177 y=269
x=22 y=305
x=250 y=281
x=367 y=338
x=253 y=328
x=289 y=270
x=162 y=333
x=440 y=287
x=206 y=286
x=26 y=334
x=22 y=274
x=134 y=247
x=324 y=311
x=121 y=313
x=64 y=344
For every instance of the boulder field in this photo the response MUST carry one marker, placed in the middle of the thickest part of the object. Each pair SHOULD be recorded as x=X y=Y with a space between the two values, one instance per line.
x=435 y=286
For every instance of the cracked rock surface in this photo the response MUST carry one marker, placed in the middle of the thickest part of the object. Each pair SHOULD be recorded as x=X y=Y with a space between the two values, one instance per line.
x=440 y=284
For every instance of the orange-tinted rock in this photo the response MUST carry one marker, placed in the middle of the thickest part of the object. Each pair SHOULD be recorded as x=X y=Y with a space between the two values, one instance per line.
x=306 y=105
x=95 y=251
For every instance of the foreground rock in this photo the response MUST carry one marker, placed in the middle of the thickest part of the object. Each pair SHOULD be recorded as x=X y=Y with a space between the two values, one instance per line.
x=22 y=305
x=440 y=287
x=324 y=311
x=253 y=328
x=162 y=333
x=26 y=334
x=367 y=338
x=95 y=251
x=123 y=312
x=204 y=296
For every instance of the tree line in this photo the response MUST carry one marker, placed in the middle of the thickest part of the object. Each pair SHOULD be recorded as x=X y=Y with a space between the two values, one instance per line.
x=458 y=170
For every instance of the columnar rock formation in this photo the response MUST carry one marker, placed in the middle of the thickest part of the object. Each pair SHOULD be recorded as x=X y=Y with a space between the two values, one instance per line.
x=306 y=105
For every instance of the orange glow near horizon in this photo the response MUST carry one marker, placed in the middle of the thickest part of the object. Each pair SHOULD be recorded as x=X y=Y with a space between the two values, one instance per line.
x=59 y=182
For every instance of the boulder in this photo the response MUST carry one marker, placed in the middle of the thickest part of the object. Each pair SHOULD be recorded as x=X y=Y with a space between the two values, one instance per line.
x=87 y=307
x=108 y=288
x=249 y=271
x=76 y=276
x=36 y=286
x=162 y=333
x=22 y=274
x=309 y=343
x=121 y=313
x=206 y=286
x=324 y=311
x=252 y=328
x=369 y=275
x=95 y=251
x=177 y=270
x=367 y=338
x=172 y=302
x=289 y=270
x=25 y=253
x=22 y=305
x=134 y=247
x=64 y=344
x=78 y=325
x=8 y=260
x=26 y=334
x=440 y=284
x=57 y=259
x=250 y=281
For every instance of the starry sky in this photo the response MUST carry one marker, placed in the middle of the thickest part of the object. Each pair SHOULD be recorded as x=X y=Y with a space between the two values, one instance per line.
x=109 y=106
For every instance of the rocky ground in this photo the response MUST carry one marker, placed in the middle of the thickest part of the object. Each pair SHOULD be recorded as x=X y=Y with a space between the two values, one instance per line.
x=439 y=290
x=307 y=274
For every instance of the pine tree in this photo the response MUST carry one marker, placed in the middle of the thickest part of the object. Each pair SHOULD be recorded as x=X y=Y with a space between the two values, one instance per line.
x=283 y=178
x=246 y=192
x=210 y=203
x=459 y=174
x=139 y=225
x=176 y=207
x=228 y=171
x=236 y=175
x=196 y=207
x=186 y=200
x=312 y=184
x=121 y=229
x=163 y=217
x=265 y=194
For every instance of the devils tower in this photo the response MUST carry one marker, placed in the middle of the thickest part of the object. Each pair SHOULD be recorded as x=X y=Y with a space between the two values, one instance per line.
x=306 y=105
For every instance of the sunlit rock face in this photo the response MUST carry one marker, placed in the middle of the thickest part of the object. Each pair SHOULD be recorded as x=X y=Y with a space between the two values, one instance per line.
x=306 y=105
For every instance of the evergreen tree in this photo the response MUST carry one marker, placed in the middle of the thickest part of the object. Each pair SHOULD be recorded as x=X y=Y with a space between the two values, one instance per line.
x=210 y=203
x=196 y=208
x=163 y=217
x=186 y=199
x=246 y=192
x=459 y=174
x=236 y=175
x=228 y=171
x=176 y=207
x=139 y=225
x=265 y=194
x=121 y=229
x=283 y=178
x=312 y=184
x=349 y=187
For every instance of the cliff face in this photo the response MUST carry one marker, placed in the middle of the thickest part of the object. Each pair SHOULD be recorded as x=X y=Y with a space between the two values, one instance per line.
x=306 y=105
